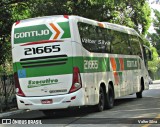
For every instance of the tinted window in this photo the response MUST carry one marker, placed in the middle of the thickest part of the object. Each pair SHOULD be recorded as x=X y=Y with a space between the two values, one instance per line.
x=103 y=40
x=134 y=41
x=120 y=43
x=94 y=38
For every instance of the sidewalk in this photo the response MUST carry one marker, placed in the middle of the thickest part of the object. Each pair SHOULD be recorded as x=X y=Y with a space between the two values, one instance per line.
x=5 y=114
x=156 y=81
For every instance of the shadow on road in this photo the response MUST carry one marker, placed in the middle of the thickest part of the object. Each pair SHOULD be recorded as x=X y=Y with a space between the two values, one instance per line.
x=122 y=101
x=69 y=113
x=83 y=111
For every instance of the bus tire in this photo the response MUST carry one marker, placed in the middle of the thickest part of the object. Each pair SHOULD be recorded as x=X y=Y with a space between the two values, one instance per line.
x=139 y=94
x=101 y=105
x=110 y=97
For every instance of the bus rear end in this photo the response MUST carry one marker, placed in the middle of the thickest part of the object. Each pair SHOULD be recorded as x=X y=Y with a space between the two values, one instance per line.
x=45 y=77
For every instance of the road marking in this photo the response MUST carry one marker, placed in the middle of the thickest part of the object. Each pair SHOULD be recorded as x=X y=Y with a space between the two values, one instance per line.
x=156 y=118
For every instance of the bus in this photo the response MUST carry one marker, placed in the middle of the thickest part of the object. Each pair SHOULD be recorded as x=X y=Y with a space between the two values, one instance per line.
x=66 y=61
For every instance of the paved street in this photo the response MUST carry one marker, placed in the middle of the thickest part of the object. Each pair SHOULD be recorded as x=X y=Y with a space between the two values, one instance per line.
x=128 y=112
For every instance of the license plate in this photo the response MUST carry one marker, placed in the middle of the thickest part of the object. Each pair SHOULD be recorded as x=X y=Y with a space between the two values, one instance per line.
x=47 y=101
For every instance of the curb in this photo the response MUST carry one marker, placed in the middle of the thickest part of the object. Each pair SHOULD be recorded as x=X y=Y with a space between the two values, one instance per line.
x=11 y=113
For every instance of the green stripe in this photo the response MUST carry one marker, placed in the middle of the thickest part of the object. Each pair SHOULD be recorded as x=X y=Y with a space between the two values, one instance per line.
x=103 y=66
x=65 y=27
x=38 y=33
x=131 y=64
x=117 y=64
x=32 y=35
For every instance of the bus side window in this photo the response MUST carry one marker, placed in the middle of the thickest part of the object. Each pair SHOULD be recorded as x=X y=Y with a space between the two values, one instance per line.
x=108 y=40
x=102 y=40
x=135 y=45
x=120 y=43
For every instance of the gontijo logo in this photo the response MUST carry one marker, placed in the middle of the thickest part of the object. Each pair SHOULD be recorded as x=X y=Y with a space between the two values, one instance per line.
x=49 y=31
x=31 y=34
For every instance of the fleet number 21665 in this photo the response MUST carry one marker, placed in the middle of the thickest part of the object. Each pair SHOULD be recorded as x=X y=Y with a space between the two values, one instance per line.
x=90 y=64
x=42 y=49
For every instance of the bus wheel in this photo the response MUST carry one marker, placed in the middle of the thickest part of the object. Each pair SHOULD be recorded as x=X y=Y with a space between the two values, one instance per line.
x=110 y=97
x=101 y=105
x=139 y=94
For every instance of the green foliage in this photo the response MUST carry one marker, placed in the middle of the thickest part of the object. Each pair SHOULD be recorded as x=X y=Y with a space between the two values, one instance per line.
x=131 y=13
x=5 y=25
x=145 y=41
x=155 y=63
x=155 y=37
x=10 y=10
x=20 y=11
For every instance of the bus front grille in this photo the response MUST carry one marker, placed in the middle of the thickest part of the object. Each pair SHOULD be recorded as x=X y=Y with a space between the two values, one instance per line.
x=43 y=61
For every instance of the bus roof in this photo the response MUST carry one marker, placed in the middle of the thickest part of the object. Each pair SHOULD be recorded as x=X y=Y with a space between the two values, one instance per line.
x=107 y=25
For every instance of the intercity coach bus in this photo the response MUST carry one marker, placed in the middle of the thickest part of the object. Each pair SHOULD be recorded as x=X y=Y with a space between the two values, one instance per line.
x=68 y=61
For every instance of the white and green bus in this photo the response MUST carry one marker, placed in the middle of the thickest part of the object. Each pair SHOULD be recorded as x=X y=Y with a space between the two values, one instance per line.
x=68 y=61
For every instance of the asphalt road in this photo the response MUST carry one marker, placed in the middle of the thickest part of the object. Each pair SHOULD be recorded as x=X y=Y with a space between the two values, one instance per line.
x=127 y=112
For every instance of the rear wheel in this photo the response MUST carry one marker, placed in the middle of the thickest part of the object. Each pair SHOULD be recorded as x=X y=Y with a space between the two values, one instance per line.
x=101 y=105
x=110 y=97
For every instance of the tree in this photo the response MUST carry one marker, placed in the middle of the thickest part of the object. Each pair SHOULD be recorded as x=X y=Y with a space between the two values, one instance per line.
x=11 y=10
x=5 y=25
x=154 y=65
x=135 y=14
x=130 y=13
x=155 y=37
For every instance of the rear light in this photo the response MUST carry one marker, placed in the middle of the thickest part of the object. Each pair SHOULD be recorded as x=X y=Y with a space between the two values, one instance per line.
x=17 y=85
x=17 y=23
x=76 y=83
x=66 y=16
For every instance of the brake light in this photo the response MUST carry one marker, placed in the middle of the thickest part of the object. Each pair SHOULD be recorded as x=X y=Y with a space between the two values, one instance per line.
x=17 y=85
x=66 y=16
x=17 y=23
x=76 y=83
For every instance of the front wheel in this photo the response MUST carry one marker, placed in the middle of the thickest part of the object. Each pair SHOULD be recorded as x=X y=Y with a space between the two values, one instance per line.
x=139 y=94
